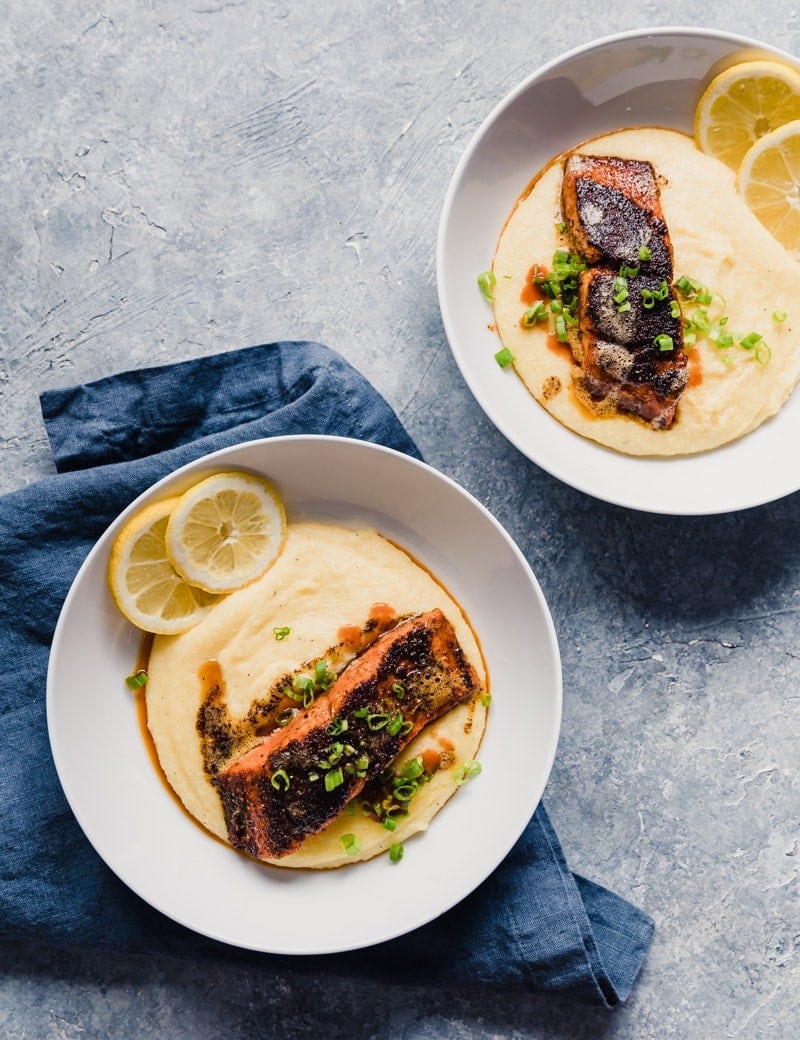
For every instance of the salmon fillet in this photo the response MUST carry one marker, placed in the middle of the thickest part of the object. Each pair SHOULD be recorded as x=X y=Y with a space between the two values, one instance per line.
x=629 y=324
x=299 y=778
x=612 y=209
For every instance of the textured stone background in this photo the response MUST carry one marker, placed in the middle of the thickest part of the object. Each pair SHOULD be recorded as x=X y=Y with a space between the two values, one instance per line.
x=180 y=178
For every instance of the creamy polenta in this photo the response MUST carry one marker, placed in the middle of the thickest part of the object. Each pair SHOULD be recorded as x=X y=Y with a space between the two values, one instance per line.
x=717 y=243
x=210 y=690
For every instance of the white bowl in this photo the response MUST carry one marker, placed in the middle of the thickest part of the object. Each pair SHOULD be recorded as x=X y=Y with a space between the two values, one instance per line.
x=146 y=839
x=642 y=78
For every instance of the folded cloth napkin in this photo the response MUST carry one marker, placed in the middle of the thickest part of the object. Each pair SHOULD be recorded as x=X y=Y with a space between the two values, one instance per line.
x=532 y=924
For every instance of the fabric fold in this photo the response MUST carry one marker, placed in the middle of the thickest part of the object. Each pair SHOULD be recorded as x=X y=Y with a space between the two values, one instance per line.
x=532 y=925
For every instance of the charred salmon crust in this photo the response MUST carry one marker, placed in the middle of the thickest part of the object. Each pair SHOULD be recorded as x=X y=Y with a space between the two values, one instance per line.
x=631 y=337
x=300 y=778
x=612 y=209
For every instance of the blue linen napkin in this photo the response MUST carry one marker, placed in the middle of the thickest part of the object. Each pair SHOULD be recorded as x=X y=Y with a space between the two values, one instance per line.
x=531 y=925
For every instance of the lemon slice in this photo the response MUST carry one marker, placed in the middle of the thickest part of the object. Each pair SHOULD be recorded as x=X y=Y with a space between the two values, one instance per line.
x=769 y=183
x=226 y=531
x=144 y=584
x=742 y=104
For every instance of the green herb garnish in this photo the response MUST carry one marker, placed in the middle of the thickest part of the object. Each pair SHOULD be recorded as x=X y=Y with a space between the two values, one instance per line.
x=504 y=357
x=137 y=680
x=486 y=282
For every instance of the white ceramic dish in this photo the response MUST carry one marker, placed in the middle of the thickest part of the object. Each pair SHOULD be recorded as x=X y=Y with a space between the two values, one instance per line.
x=146 y=839
x=639 y=78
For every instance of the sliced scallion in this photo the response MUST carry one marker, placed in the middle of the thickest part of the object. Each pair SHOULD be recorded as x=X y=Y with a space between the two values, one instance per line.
x=280 y=780
x=534 y=314
x=350 y=844
x=467 y=771
x=486 y=282
x=504 y=357
x=396 y=852
x=137 y=680
x=281 y=632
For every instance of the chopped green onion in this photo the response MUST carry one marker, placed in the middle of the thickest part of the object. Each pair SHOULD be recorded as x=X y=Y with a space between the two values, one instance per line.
x=137 y=680
x=413 y=768
x=283 y=718
x=337 y=726
x=623 y=308
x=395 y=724
x=487 y=281
x=486 y=700
x=762 y=353
x=280 y=780
x=504 y=357
x=350 y=844
x=360 y=713
x=334 y=778
x=724 y=340
x=377 y=721
x=388 y=823
x=404 y=790
x=322 y=677
x=779 y=317
x=398 y=690
x=467 y=771
x=750 y=340
x=561 y=330
x=396 y=852
x=622 y=295
x=664 y=342
x=281 y=633
x=686 y=286
x=674 y=309
x=644 y=253
x=648 y=299
x=538 y=312
x=561 y=226
x=628 y=272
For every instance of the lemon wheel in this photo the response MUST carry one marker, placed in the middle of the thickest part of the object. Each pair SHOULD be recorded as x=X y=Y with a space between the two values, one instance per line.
x=226 y=531
x=769 y=183
x=742 y=104
x=143 y=583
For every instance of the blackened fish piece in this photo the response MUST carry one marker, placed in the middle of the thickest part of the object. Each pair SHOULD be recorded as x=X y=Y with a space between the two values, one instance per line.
x=638 y=379
x=627 y=310
x=613 y=211
x=301 y=777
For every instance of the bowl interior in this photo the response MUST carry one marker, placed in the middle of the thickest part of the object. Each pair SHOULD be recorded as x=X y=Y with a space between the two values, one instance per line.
x=647 y=78
x=144 y=836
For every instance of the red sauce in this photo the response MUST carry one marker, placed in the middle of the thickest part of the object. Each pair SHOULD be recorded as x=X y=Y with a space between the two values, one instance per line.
x=431 y=760
x=562 y=349
x=382 y=613
x=695 y=368
x=531 y=293
x=350 y=636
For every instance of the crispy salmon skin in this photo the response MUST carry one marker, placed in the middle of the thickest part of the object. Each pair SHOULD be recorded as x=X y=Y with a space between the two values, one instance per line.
x=299 y=778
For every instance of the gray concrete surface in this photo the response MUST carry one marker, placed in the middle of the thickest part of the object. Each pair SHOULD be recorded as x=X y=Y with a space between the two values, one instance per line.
x=184 y=177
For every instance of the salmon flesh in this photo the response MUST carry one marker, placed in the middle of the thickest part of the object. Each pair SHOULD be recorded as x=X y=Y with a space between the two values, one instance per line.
x=631 y=336
x=300 y=777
